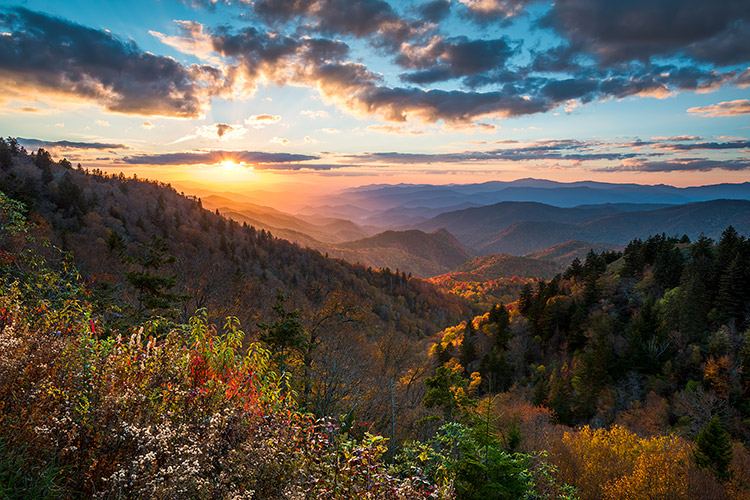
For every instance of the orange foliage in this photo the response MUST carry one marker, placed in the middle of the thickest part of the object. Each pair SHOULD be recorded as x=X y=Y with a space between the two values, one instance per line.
x=717 y=373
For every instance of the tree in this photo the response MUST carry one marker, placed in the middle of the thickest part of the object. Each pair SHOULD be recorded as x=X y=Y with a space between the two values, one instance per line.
x=714 y=450
x=152 y=286
x=468 y=349
x=286 y=333
x=446 y=390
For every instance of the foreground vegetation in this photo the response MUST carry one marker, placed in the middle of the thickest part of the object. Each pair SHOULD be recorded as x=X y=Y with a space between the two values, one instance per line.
x=125 y=371
x=142 y=405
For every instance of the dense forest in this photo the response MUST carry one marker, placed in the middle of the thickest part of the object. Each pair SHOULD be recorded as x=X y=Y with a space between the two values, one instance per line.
x=152 y=348
x=646 y=353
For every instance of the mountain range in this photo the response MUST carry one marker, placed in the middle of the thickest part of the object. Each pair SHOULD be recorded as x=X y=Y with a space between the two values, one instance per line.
x=429 y=230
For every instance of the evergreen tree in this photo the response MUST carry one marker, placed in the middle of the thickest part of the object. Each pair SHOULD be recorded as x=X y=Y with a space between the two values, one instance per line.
x=152 y=286
x=714 y=450
x=575 y=270
x=286 y=333
x=468 y=349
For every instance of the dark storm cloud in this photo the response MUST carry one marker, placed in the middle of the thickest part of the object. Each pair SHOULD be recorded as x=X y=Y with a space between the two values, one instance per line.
x=44 y=53
x=676 y=165
x=212 y=157
x=615 y=31
x=38 y=143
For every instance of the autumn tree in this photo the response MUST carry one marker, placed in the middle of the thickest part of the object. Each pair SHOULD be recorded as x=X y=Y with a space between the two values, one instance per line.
x=446 y=390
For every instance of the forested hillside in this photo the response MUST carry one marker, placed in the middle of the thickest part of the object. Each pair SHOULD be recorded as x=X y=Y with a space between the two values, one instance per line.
x=649 y=349
x=111 y=388
x=147 y=252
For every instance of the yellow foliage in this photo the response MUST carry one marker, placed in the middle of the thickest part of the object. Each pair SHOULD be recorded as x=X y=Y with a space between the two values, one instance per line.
x=616 y=464
x=718 y=373
x=476 y=381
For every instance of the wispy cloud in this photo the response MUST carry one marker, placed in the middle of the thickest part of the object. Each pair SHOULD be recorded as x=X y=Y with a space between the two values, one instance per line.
x=258 y=159
x=678 y=165
x=260 y=121
x=725 y=108
x=39 y=143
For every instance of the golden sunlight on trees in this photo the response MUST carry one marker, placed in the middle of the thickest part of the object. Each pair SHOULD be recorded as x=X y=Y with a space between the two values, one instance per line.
x=617 y=464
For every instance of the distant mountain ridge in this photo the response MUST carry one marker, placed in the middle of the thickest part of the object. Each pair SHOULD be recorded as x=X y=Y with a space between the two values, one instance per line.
x=413 y=251
x=709 y=218
x=380 y=197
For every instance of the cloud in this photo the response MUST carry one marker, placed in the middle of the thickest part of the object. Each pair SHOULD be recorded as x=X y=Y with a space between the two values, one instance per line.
x=358 y=18
x=724 y=108
x=485 y=11
x=491 y=82
x=38 y=143
x=679 y=165
x=256 y=158
x=314 y=115
x=435 y=11
x=678 y=138
x=615 y=32
x=736 y=144
x=50 y=55
x=279 y=140
x=559 y=150
x=445 y=59
x=102 y=123
x=191 y=40
x=330 y=130
x=147 y=125
x=220 y=131
x=394 y=129
x=260 y=121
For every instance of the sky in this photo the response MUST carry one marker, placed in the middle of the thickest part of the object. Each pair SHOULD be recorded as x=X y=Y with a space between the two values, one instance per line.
x=325 y=94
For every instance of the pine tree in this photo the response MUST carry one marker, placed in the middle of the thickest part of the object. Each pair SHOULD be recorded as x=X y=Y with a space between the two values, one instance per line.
x=714 y=450
x=152 y=286
x=286 y=333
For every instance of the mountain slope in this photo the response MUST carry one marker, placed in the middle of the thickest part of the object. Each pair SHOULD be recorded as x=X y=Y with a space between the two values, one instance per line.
x=326 y=230
x=564 y=253
x=477 y=226
x=490 y=267
x=416 y=252
x=384 y=197
x=709 y=218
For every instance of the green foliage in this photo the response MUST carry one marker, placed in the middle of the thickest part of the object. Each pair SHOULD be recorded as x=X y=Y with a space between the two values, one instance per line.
x=714 y=451
x=285 y=334
x=151 y=285
x=457 y=462
x=12 y=220
x=446 y=391
x=21 y=478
